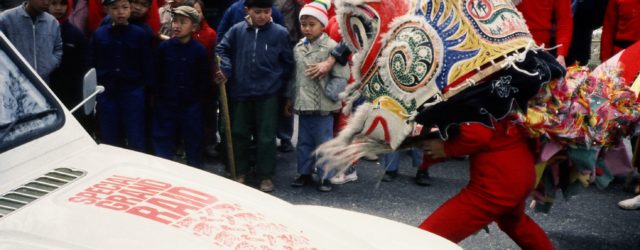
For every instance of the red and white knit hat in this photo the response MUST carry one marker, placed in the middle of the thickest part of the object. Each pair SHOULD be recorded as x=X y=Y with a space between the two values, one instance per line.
x=318 y=9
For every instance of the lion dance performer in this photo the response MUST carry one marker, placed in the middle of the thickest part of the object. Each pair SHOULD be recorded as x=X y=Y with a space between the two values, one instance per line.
x=502 y=177
x=443 y=63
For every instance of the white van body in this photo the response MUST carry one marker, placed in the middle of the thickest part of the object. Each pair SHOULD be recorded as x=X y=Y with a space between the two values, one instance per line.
x=61 y=190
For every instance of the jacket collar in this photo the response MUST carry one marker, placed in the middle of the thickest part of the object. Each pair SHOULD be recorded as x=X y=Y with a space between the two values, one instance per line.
x=177 y=42
x=23 y=12
x=265 y=27
x=320 y=41
x=315 y=45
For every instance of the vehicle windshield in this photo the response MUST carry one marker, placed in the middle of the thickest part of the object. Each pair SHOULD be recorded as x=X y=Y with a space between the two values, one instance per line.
x=27 y=109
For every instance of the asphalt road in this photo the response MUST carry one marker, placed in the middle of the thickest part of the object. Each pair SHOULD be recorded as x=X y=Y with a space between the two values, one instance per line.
x=590 y=220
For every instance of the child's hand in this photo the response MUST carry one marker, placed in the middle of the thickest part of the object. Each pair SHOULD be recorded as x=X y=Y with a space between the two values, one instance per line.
x=220 y=77
x=288 y=108
x=320 y=70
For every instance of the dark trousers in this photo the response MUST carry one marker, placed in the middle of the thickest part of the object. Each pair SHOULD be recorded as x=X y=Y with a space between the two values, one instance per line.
x=121 y=118
x=169 y=122
x=255 y=118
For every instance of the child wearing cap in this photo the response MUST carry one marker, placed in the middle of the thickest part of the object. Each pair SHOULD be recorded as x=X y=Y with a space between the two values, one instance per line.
x=310 y=99
x=184 y=82
x=256 y=58
x=121 y=55
x=166 y=13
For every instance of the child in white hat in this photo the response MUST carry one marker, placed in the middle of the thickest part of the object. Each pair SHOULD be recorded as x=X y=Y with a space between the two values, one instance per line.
x=315 y=101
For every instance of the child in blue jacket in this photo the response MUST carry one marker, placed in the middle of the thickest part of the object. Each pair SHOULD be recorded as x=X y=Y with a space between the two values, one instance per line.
x=257 y=59
x=121 y=54
x=184 y=82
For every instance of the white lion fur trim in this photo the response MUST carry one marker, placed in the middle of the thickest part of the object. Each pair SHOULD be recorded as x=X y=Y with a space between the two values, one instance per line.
x=349 y=96
x=339 y=153
x=351 y=144
x=355 y=2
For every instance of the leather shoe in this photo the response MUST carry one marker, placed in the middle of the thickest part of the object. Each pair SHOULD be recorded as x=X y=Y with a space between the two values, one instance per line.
x=389 y=176
x=423 y=179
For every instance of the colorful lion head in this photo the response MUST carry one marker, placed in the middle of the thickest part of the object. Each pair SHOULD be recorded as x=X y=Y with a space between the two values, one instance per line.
x=413 y=55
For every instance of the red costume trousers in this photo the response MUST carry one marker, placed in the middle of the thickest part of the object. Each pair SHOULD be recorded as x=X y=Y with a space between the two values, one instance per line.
x=466 y=214
x=501 y=178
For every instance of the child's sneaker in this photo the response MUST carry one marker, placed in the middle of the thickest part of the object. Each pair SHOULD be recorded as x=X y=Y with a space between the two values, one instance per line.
x=630 y=204
x=325 y=186
x=348 y=176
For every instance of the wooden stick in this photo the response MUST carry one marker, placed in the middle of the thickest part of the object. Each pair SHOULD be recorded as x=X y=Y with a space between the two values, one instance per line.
x=227 y=124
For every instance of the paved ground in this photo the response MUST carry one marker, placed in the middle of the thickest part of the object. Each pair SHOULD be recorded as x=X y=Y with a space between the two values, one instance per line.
x=590 y=220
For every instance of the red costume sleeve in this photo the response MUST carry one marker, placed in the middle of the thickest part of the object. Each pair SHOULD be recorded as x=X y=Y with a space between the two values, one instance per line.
x=564 y=25
x=472 y=138
x=629 y=59
x=609 y=30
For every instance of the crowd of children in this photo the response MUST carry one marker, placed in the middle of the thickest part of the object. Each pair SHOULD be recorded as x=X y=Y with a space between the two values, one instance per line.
x=159 y=67
x=159 y=64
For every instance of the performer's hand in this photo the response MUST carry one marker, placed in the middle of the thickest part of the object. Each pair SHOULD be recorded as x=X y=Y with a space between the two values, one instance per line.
x=320 y=70
x=220 y=77
x=561 y=61
x=288 y=108
x=434 y=148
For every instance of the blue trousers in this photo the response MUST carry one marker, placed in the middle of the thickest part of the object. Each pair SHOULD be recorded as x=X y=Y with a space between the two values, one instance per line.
x=169 y=122
x=121 y=118
x=313 y=130
x=391 y=161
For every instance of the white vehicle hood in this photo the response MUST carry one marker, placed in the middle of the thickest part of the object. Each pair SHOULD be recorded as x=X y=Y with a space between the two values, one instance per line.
x=121 y=199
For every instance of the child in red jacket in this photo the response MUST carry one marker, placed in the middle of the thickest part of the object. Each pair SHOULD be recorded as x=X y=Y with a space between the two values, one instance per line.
x=545 y=16
x=501 y=178
x=621 y=27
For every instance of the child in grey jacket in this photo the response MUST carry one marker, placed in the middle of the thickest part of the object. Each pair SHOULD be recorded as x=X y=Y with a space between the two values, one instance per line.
x=36 y=34
x=313 y=100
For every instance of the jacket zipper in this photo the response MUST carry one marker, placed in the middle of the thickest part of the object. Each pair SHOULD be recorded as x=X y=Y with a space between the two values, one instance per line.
x=255 y=45
x=35 y=57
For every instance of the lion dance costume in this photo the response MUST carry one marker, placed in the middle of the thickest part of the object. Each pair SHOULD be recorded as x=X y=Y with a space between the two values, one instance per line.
x=438 y=63
x=473 y=65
